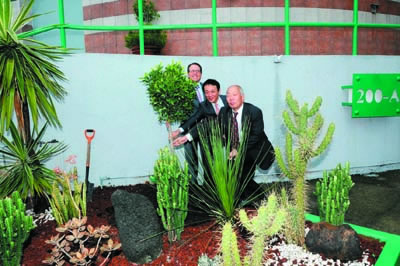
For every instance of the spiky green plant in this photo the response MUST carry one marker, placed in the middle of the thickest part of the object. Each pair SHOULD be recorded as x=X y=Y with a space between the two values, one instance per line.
x=220 y=193
x=305 y=125
x=15 y=227
x=24 y=167
x=333 y=194
x=269 y=221
x=172 y=192
x=29 y=80
x=68 y=201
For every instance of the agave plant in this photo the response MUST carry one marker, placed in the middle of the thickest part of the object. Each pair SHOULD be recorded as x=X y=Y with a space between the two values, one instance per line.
x=23 y=164
x=29 y=81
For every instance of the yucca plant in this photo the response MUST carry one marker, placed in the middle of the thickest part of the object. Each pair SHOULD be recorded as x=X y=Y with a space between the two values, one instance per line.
x=29 y=80
x=23 y=164
x=220 y=193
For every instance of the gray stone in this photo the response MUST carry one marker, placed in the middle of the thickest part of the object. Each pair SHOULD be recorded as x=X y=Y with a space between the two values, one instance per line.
x=138 y=226
x=335 y=242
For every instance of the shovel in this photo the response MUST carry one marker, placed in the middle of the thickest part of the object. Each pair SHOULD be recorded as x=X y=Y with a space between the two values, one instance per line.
x=89 y=134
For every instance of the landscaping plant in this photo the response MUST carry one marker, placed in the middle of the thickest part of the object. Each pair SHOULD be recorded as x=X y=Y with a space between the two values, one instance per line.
x=172 y=192
x=15 y=227
x=157 y=38
x=305 y=125
x=80 y=244
x=29 y=79
x=333 y=194
x=171 y=93
x=269 y=221
x=68 y=200
x=220 y=193
x=24 y=167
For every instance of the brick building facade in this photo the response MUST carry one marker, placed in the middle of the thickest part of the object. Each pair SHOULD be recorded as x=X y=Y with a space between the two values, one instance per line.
x=252 y=41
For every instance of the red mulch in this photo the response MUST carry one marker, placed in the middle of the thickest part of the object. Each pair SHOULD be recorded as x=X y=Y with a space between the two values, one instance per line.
x=196 y=239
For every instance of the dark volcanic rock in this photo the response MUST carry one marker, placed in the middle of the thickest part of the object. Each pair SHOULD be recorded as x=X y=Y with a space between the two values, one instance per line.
x=138 y=226
x=335 y=242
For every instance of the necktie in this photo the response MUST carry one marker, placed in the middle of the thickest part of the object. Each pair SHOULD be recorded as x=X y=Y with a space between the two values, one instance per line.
x=216 y=108
x=199 y=95
x=235 y=131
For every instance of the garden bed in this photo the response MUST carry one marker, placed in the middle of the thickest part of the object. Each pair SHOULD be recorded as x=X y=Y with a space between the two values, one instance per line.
x=201 y=236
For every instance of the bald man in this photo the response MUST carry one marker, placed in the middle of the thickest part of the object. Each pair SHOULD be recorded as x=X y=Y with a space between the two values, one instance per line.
x=259 y=151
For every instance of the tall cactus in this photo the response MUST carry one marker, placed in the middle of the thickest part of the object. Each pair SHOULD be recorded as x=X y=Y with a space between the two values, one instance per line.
x=297 y=158
x=333 y=194
x=68 y=200
x=269 y=221
x=14 y=229
x=172 y=192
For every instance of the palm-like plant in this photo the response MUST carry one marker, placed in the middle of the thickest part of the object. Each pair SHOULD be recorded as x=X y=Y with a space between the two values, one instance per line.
x=29 y=81
x=220 y=193
x=23 y=165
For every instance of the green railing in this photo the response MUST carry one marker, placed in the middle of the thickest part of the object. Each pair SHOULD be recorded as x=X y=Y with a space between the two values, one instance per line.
x=214 y=26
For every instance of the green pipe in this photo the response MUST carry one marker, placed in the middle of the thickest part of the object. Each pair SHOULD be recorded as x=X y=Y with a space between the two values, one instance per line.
x=373 y=25
x=63 y=37
x=321 y=24
x=141 y=31
x=38 y=30
x=287 y=27
x=391 y=251
x=214 y=27
x=355 y=28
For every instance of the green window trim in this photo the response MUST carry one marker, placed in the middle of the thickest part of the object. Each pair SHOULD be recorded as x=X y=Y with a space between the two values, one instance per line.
x=214 y=26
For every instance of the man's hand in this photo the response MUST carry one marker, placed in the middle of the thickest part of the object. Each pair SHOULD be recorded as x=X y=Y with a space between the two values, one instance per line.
x=233 y=154
x=179 y=141
x=175 y=134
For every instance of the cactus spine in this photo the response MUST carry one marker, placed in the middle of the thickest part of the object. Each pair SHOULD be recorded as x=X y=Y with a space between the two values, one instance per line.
x=67 y=203
x=333 y=194
x=269 y=221
x=15 y=227
x=297 y=158
x=172 y=192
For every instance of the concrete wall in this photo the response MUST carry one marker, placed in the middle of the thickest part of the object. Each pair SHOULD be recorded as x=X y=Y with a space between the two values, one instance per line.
x=105 y=94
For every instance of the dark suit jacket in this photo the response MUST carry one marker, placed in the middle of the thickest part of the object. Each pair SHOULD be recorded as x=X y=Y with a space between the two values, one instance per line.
x=259 y=148
x=204 y=111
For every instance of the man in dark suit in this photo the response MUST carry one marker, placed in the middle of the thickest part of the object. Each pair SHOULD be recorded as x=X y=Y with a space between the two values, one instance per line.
x=208 y=109
x=259 y=150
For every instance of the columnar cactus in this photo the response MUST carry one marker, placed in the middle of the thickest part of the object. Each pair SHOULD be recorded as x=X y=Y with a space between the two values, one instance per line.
x=14 y=229
x=269 y=221
x=305 y=149
x=172 y=192
x=67 y=203
x=333 y=194
x=229 y=246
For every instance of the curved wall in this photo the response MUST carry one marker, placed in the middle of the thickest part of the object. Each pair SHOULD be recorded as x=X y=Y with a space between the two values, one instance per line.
x=251 y=41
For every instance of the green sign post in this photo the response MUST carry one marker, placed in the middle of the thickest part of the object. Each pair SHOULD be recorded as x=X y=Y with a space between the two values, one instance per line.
x=374 y=95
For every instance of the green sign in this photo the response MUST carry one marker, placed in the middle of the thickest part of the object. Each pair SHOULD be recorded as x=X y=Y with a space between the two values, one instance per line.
x=374 y=95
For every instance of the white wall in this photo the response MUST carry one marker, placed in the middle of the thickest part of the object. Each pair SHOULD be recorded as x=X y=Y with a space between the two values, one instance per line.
x=105 y=94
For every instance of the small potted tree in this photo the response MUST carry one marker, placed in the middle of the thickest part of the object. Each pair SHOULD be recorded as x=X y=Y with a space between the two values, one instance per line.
x=154 y=40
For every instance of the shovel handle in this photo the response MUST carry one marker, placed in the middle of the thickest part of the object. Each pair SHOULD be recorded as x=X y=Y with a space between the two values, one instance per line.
x=89 y=137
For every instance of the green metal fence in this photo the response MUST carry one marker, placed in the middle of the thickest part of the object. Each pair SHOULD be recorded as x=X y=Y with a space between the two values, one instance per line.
x=214 y=26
